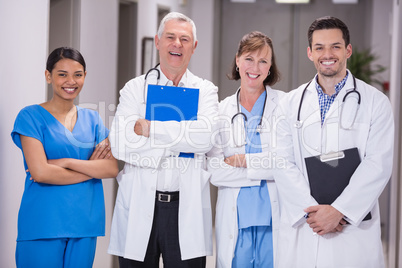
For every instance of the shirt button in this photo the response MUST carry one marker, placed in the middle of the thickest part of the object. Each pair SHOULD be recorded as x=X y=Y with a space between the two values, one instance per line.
x=231 y=236
x=233 y=208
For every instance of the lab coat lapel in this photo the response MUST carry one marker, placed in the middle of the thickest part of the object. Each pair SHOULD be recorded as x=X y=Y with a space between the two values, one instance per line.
x=272 y=100
x=311 y=116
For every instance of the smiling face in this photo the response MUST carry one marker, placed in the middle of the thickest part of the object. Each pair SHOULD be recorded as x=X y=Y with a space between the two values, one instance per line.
x=67 y=79
x=254 y=67
x=329 y=53
x=176 y=46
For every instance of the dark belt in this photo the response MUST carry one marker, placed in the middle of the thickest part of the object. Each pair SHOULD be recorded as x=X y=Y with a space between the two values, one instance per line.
x=167 y=196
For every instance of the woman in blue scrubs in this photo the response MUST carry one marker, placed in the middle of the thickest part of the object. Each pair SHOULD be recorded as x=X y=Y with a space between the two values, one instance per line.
x=247 y=211
x=66 y=152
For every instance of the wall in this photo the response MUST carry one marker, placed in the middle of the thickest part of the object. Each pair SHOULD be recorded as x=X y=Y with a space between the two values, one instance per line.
x=395 y=237
x=24 y=51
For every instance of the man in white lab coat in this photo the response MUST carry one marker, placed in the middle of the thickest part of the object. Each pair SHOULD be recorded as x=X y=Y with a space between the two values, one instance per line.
x=163 y=201
x=314 y=120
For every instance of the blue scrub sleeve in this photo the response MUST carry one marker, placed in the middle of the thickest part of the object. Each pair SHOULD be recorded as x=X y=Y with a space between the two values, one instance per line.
x=25 y=124
x=102 y=131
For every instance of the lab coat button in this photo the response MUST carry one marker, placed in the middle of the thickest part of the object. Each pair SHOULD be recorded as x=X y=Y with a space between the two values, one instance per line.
x=231 y=236
x=233 y=208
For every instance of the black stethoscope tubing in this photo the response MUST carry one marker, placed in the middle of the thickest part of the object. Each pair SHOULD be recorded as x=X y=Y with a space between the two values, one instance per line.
x=343 y=100
x=244 y=116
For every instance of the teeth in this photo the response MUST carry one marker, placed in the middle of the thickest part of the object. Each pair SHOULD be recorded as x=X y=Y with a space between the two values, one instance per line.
x=69 y=89
x=328 y=62
x=175 y=53
x=252 y=75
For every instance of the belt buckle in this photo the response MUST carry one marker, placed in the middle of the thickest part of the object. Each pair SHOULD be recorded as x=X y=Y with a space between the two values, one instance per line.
x=162 y=195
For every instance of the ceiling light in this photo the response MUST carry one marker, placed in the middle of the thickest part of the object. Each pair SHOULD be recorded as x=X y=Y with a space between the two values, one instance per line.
x=292 y=1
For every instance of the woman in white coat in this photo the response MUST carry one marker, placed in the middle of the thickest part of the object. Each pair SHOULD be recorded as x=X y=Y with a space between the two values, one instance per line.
x=247 y=211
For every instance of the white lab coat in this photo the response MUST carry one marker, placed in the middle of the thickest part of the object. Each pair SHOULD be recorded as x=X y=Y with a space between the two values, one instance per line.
x=359 y=244
x=134 y=209
x=229 y=179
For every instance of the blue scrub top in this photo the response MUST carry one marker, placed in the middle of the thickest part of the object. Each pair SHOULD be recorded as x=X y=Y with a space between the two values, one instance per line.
x=60 y=211
x=253 y=203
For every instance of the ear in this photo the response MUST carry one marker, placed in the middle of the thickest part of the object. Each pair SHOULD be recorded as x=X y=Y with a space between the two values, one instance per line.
x=156 y=42
x=48 y=77
x=237 y=61
x=309 y=54
x=348 y=51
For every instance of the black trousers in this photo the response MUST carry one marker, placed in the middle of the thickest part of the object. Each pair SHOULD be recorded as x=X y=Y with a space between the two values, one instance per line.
x=164 y=240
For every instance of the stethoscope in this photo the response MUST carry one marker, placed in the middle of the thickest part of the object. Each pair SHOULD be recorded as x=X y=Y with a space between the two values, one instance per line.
x=353 y=107
x=151 y=72
x=239 y=123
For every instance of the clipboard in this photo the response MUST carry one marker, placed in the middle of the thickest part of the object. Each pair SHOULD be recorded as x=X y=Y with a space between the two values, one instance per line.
x=329 y=174
x=167 y=103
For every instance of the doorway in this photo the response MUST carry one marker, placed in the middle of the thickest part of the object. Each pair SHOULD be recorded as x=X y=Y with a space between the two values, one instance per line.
x=64 y=25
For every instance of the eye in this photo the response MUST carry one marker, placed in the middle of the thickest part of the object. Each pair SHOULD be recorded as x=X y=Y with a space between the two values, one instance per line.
x=264 y=61
x=184 y=40
x=62 y=75
x=79 y=75
x=249 y=59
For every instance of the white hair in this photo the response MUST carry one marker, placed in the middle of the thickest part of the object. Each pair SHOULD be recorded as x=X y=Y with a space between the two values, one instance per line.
x=180 y=17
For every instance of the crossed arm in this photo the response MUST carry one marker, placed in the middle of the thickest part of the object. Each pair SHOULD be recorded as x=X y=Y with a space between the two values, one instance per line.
x=66 y=171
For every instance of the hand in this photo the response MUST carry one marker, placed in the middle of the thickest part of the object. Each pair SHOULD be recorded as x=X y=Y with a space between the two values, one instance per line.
x=237 y=160
x=102 y=151
x=142 y=127
x=324 y=219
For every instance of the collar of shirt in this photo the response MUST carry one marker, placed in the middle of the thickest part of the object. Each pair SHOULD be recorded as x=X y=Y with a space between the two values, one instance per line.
x=325 y=100
x=165 y=81
x=338 y=86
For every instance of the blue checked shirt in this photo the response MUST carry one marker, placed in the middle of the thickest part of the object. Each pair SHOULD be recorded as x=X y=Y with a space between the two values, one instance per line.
x=325 y=100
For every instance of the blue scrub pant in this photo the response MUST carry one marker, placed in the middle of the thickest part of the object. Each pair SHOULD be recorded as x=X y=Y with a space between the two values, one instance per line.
x=254 y=248
x=56 y=253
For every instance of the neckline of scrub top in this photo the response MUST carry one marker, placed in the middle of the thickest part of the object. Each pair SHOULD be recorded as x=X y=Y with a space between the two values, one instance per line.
x=52 y=116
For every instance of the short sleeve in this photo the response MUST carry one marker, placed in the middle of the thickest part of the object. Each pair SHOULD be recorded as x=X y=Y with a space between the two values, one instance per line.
x=26 y=124
x=102 y=131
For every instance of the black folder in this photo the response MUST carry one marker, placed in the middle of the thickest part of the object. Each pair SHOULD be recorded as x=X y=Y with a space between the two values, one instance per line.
x=329 y=174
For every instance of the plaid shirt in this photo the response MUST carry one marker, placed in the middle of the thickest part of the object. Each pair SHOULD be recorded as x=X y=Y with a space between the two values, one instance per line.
x=325 y=100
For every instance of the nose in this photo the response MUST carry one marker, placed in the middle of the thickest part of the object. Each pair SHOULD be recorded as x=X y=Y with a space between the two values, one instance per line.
x=327 y=52
x=71 y=80
x=177 y=42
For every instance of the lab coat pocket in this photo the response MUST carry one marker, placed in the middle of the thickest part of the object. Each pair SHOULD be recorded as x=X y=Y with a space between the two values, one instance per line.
x=125 y=181
x=204 y=180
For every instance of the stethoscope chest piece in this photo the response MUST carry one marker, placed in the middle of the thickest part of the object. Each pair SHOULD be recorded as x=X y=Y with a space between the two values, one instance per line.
x=298 y=124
